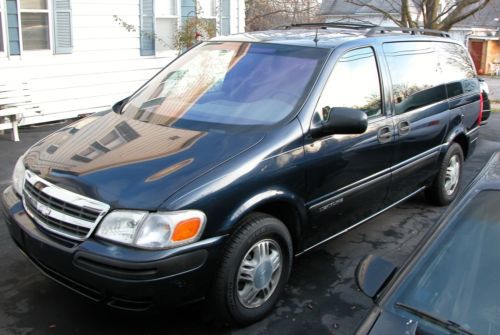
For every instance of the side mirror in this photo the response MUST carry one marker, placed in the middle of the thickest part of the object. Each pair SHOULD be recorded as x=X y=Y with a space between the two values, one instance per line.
x=341 y=120
x=117 y=107
x=372 y=274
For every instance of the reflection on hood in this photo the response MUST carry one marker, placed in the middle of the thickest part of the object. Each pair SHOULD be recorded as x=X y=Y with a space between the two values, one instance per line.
x=115 y=141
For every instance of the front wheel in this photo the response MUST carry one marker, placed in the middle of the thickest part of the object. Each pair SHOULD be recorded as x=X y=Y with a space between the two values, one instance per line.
x=254 y=270
x=447 y=183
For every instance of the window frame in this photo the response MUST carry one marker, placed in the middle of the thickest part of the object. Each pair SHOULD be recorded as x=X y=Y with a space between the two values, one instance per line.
x=49 y=12
x=378 y=64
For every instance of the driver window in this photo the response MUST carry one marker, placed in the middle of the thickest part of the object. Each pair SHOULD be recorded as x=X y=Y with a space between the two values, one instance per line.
x=354 y=83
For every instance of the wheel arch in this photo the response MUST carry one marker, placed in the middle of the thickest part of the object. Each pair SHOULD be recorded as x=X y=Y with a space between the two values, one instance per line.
x=282 y=205
x=461 y=139
x=458 y=136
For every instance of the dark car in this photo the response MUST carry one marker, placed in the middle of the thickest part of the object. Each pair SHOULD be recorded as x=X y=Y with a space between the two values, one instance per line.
x=450 y=285
x=242 y=153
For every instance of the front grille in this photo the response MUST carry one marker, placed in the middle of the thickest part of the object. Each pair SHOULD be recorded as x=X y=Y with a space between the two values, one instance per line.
x=61 y=211
x=62 y=206
x=65 y=227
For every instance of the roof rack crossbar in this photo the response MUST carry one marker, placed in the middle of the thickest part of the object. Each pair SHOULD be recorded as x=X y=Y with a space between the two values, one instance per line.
x=333 y=25
x=421 y=31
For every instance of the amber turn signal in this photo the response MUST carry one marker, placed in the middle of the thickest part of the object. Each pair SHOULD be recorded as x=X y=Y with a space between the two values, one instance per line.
x=186 y=229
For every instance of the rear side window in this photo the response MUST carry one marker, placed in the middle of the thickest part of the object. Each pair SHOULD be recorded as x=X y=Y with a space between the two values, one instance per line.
x=458 y=71
x=416 y=74
x=354 y=83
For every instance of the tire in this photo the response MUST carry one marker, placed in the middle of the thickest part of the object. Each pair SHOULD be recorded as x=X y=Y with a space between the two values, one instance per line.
x=235 y=280
x=445 y=186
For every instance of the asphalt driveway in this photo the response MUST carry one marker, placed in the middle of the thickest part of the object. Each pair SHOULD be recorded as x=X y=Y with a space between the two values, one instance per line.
x=321 y=297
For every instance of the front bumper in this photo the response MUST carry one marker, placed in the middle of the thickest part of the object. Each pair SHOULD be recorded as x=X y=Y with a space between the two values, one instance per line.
x=119 y=276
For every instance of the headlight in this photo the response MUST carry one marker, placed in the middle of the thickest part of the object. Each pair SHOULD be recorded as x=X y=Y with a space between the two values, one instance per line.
x=18 y=176
x=160 y=230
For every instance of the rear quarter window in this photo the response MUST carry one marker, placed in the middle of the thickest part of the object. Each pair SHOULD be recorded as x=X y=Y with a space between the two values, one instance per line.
x=458 y=71
x=416 y=74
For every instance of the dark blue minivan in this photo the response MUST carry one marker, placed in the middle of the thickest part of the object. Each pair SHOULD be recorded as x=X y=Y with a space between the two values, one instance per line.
x=242 y=153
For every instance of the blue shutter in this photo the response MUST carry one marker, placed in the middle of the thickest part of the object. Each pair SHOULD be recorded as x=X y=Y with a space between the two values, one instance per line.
x=63 y=38
x=1 y=33
x=147 y=28
x=188 y=9
x=225 y=16
x=13 y=26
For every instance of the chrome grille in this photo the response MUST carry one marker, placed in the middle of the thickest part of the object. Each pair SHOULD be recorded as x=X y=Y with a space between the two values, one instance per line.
x=61 y=211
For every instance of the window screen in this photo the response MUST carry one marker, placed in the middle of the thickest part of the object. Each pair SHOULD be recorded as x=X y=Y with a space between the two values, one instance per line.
x=35 y=24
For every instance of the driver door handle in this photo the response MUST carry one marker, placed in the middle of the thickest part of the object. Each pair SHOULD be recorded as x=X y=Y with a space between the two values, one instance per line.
x=384 y=134
x=404 y=127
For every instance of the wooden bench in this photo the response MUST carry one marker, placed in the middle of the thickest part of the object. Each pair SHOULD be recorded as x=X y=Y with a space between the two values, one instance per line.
x=14 y=98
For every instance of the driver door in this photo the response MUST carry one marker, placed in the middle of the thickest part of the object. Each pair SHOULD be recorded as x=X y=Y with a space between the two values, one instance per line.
x=349 y=175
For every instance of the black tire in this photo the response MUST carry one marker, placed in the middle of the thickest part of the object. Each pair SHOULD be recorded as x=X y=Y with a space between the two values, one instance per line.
x=255 y=228
x=437 y=194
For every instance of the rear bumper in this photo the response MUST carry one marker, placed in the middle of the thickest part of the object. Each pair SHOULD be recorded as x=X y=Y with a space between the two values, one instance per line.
x=485 y=117
x=472 y=137
x=118 y=276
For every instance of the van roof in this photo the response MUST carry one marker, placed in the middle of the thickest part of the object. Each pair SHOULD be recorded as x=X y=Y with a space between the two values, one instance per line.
x=331 y=36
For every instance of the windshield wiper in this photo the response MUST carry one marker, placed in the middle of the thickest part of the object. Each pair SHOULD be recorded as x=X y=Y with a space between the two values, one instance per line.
x=447 y=324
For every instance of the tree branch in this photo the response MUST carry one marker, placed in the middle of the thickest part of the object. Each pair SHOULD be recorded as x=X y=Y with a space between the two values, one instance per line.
x=457 y=15
x=379 y=10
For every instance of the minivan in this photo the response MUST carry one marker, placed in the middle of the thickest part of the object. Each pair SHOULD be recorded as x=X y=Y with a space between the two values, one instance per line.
x=241 y=154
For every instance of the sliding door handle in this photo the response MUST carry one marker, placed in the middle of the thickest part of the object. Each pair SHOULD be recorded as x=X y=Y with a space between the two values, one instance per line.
x=404 y=127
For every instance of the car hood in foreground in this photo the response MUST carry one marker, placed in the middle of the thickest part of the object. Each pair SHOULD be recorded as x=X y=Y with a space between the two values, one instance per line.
x=128 y=163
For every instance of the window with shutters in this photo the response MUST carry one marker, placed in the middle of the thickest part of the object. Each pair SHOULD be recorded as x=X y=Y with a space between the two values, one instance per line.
x=35 y=25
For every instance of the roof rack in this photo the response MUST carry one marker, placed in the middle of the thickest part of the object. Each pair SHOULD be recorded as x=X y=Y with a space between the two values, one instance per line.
x=413 y=31
x=325 y=25
x=372 y=29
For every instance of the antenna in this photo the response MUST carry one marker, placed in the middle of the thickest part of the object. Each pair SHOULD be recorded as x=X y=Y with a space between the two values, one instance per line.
x=316 y=37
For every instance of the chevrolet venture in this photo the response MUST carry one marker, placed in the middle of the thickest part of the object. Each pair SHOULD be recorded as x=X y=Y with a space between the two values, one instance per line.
x=242 y=153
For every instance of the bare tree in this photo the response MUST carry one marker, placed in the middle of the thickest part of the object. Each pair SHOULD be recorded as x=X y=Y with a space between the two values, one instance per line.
x=265 y=14
x=432 y=14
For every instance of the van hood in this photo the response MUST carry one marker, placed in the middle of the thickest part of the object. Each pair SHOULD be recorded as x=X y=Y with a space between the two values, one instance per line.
x=131 y=164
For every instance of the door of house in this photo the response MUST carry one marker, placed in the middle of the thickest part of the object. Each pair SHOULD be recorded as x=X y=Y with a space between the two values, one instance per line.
x=476 y=51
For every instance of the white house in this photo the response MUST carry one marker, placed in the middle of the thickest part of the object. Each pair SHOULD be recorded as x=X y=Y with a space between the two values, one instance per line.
x=76 y=57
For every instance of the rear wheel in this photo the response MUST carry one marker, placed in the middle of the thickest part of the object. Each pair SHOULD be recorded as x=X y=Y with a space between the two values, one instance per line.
x=447 y=183
x=254 y=270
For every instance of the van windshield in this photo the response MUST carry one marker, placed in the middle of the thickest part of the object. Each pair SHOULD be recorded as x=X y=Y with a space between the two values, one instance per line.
x=229 y=83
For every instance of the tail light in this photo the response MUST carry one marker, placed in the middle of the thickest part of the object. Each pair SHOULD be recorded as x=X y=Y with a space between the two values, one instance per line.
x=481 y=106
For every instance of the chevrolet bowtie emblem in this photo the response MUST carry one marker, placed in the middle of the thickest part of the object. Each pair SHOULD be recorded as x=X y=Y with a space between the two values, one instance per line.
x=43 y=209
